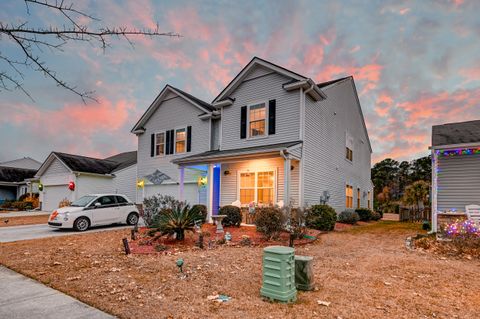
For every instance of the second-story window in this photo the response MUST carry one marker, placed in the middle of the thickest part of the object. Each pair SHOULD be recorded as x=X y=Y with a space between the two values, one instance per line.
x=349 y=147
x=257 y=120
x=160 y=144
x=180 y=140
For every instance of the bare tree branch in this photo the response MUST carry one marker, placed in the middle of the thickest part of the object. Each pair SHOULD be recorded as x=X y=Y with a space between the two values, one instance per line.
x=32 y=40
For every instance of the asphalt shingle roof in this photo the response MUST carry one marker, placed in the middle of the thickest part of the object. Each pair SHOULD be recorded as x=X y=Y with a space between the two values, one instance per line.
x=109 y=165
x=15 y=174
x=456 y=133
x=196 y=100
x=324 y=84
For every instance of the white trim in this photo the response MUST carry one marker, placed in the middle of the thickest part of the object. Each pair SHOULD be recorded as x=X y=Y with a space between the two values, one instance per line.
x=302 y=115
x=434 y=190
x=220 y=137
x=265 y=103
x=223 y=103
x=257 y=170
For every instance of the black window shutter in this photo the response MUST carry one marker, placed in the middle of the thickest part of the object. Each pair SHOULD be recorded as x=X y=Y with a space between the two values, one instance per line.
x=167 y=143
x=172 y=141
x=272 y=106
x=189 y=138
x=243 y=122
x=152 y=145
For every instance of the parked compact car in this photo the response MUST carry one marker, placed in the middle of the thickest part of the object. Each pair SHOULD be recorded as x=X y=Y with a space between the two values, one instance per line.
x=95 y=210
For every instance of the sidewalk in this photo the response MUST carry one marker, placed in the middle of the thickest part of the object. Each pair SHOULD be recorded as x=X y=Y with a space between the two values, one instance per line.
x=25 y=213
x=22 y=297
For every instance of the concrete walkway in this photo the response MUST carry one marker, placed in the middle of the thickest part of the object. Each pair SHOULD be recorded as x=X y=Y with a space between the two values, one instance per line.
x=22 y=297
x=15 y=233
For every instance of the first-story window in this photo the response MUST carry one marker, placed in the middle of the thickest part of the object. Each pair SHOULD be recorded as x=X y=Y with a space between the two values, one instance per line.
x=257 y=120
x=358 y=197
x=180 y=138
x=160 y=144
x=368 y=201
x=349 y=196
x=258 y=187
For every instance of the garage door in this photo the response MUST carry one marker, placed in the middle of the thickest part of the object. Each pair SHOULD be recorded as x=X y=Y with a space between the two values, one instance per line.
x=53 y=195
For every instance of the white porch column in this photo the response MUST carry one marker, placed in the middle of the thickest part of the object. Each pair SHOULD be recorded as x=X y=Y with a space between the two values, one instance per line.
x=209 y=192
x=286 y=181
x=181 y=186
x=434 y=189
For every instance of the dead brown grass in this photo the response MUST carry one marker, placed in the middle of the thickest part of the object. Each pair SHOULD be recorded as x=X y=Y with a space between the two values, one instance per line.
x=365 y=272
x=23 y=220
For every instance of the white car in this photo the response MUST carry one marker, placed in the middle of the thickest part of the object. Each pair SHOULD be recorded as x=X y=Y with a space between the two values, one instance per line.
x=95 y=210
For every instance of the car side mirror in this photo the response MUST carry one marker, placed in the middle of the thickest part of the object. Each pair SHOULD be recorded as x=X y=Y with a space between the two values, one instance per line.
x=97 y=205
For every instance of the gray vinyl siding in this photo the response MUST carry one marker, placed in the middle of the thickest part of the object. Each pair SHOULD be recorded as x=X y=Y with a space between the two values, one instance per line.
x=256 y=72
x=458 y=182
x=56 y=168
x=171 y=114
x=260 y=89
x=215 y=134
x=190 y=191
x=229 y=183
x=125 y=182
x=325 y=165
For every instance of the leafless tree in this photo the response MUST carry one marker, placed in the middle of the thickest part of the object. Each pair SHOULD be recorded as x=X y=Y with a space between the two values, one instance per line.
x=35 y=42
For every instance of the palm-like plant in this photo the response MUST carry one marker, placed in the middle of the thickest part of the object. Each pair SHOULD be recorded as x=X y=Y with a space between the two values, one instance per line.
x=178 y=220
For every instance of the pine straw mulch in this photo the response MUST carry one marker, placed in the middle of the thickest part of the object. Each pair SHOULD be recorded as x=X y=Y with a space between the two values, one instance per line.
x=365 y=272
x=451 y=249
x=148 y=245
x=23 y=220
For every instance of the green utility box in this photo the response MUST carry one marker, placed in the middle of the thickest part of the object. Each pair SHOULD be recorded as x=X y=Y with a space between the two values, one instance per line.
x=279 y=274
x=304 y=273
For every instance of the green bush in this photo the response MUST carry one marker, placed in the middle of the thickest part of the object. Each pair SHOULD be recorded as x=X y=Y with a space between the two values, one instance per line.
x=348 y=217
x=375 y=216
x=152 y=206
x=233 y=213
x=177 y=220
x=321 y=217
x=364 y=213
x=270 y=221
x=202 y=211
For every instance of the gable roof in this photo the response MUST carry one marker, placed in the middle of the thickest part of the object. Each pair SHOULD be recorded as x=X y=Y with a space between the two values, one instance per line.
x=24 y=162
x=85 y=164
x=244 y=72
x=325 y=84
x=204 y=106
x=15 y=174
x=456 y=133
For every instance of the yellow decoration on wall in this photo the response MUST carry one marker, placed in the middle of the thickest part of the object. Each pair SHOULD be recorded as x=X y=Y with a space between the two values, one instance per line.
x=202 y=181
x=140 y=183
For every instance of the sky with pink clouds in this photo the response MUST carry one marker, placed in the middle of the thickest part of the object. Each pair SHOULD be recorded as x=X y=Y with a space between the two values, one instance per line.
x=416 y=64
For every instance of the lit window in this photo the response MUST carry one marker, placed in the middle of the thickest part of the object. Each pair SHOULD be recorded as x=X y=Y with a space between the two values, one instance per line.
x=180 y=138
x=368 y=201
x=358 y=197
x=258 y=187
x=257 y=120
x=349 y=196
x=160 y=144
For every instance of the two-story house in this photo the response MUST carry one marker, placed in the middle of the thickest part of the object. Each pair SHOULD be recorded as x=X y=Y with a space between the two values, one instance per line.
x=272 y=136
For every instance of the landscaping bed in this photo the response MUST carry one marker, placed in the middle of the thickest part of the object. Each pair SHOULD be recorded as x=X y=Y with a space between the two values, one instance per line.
x=23 y=220
x=240 y=236
x=365 y=272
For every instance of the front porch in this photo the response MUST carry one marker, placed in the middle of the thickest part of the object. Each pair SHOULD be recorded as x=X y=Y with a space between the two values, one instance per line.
x=267 y=175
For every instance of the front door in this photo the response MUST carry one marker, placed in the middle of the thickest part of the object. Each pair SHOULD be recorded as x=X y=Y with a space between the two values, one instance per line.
x=107 y=212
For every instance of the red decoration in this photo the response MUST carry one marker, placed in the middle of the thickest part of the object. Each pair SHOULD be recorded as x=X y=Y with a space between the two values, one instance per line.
x=71 y=186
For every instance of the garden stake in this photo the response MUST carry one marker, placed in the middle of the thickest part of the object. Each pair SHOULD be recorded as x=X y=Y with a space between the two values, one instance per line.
x=125 y=245
x=133 y=234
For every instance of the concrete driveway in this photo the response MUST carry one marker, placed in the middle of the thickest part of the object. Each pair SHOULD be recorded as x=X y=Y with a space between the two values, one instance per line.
x=15 y=233
x=22 y=297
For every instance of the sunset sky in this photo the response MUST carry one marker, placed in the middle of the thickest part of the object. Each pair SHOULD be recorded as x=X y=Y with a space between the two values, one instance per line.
x=415 y=64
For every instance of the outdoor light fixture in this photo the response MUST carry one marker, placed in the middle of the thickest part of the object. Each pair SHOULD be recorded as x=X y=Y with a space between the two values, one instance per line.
x=202 y=181
x=140 y=183
x=40 y=187
x=227 y=172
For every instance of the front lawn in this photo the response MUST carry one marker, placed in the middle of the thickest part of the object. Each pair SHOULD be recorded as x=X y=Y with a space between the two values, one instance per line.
x=23 y=220
x=365 y=272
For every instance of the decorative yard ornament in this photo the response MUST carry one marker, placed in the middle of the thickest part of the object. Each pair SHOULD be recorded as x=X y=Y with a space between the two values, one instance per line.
x=157 y=177
x=40 y=186
x=202 y=181
x=180 y=267
x=140 y=183
x=228 y=236
x=71 y=186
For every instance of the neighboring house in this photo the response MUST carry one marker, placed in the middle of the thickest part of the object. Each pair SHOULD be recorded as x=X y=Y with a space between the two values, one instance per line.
x=115 y=174
x=271 y=136
x=455 y=167
x=13 y=182
x=25 y=162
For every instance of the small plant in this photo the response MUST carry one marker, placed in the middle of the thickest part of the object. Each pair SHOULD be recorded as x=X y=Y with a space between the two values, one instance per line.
x=426 y=225
x=376 y=216
x=234 y=215
x=154 y=205
x=160 y=247
x=348 y=217
x=200 y=241
x=202 y=211
x=296 y=222
x=176 y=221
x=270 y=221
x=221 y=241
x=245 y=241
x=64 y=203
x=364 y=213
x=321 y=217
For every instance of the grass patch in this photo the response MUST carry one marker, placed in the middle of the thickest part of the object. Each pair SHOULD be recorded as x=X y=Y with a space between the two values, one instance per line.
x=387 y=226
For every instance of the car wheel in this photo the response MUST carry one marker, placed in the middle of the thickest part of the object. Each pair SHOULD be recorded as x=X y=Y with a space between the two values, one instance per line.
x=132 y=219
x=81 y=224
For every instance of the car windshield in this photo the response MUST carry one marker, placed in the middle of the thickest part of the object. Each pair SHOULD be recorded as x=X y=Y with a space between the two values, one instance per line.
x=83 y=201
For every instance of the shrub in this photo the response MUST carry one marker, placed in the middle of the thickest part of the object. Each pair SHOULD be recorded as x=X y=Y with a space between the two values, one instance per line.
x=21 y=205
x=375 y=216
x=321 y=217
x=202 y=211
x=64 y=202
x=33 y=201
x=270 y=221
x=296 y=222
x=364 y=213
x=153 y=205
x=233 y=213
x=348 y=217
x=177 y=220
